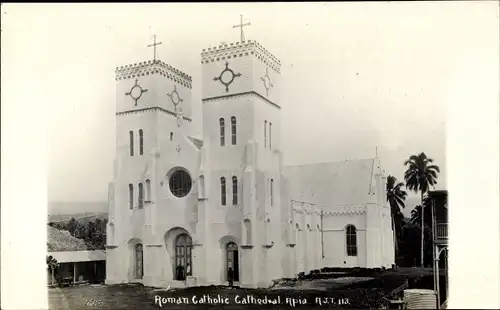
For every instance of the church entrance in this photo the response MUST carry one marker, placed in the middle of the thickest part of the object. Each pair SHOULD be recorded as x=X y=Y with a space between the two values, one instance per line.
x=183 y=257
x=232 y=261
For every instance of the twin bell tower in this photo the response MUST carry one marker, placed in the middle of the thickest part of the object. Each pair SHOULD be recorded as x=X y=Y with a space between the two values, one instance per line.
x=232 y=75
x=167 y=182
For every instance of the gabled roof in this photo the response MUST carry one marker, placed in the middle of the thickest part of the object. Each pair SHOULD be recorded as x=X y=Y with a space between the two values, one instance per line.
x=61 y=240
x=342 y=183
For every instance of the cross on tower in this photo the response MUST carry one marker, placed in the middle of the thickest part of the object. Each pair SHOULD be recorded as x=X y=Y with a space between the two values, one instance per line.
x=241 y=25
x=154 y=47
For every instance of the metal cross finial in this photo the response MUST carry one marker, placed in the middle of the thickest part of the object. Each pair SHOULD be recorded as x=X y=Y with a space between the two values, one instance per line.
x=154 y=47
x=241 y=25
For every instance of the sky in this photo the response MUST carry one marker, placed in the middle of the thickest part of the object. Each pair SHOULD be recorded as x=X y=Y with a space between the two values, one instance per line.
x=357 y=76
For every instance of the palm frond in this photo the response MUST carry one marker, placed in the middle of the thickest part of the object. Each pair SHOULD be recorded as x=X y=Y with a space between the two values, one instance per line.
x=434 y=167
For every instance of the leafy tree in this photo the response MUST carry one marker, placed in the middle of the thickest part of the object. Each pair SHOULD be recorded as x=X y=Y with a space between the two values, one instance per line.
x=52 y=264
x=396 y=197
x=71 y=226
x=409 y=243
x=420 y=175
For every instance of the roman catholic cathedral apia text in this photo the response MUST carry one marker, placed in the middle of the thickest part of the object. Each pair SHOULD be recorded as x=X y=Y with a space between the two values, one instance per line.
x=183 y=210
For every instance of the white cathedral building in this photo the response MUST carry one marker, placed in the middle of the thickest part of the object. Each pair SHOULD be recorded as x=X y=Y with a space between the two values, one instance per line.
x=183 y=210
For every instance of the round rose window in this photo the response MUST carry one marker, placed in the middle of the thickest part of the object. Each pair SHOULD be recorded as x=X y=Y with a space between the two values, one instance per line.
x=180 y=183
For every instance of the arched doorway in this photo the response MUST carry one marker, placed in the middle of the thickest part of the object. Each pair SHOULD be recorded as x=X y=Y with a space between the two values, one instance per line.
x=139 y=259
x=232 y=261
x=183 y=257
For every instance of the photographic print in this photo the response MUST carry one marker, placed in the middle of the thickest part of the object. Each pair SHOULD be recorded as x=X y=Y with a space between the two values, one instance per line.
x=235 y=155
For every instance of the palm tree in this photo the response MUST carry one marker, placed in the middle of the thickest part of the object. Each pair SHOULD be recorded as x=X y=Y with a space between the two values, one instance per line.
x=396 y=197
x=52 y=264
x=416 y=215
x=420 y=175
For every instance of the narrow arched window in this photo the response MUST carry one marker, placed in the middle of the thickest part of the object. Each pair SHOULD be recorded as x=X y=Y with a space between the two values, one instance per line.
x=111 y=235
x=268 y=231
x=351 y=241
x=141 y=142
x=131 y=142
x=270 y=135
x=222 y=132
x=233 y=130
x=171 y=136
x=201 y=189
x=139 y=266
x=235 y=191
x=271 y=191
x=297 y=231
x=223 y=191
x=248 y=231
x=140 y=202
x=148 y=190
x=131 y=195
x=265 y=134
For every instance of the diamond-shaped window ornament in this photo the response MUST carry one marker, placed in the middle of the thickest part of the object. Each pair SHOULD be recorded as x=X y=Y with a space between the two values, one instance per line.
x=266 y=80
x=174 y=97
x=136 y=91
x=227 y=77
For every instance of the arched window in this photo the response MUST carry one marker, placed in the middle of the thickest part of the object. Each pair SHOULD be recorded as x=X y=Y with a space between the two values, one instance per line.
x=297 y=231
x=265 y=134
x=141 y=142
x=111 y=234
x=171 y=136
x=271 y=191
x=131 y=195
x=351 y=242
x=268 y=231
x=183 y=258
x=140 y=202
x=139 y=266
x=223 y=191
x=248 y=230
x=131 y=142
x=148 y=190
x=270 y=135
x=235 y=191
x=233 y=130
x=201 y=187
x=222 y=132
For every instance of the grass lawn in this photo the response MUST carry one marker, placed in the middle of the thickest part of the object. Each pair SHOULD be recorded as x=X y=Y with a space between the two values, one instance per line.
x=332 y=291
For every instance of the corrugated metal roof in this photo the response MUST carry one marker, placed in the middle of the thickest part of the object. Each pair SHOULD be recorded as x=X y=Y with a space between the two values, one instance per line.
x=333 y=184
x=78 y=256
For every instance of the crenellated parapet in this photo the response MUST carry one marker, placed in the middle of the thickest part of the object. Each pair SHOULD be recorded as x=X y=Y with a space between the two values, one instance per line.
x=306 y=208
x=241 y=49
x=151 y=67
x=345 y=210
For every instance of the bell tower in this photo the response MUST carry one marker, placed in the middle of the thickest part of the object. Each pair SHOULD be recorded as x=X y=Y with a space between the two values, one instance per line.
x=241 y=122
x=153 y=125
x=241 y=80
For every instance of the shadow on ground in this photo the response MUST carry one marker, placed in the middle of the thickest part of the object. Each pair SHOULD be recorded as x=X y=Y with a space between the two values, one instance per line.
x=355 y=289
